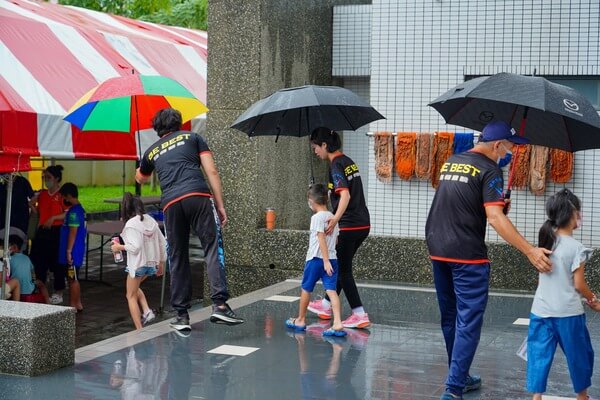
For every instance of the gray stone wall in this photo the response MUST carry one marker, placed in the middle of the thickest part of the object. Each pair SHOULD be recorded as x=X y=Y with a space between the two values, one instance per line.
x=255 y=48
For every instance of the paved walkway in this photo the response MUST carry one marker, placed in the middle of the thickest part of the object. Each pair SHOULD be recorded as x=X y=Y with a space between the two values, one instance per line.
x=400 y=357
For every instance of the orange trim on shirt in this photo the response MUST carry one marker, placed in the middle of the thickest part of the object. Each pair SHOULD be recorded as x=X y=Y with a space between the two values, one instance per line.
x=457 y=260
x=355 y=228
x=205 y=151
x=339 y=155
x=185 y=196
x=341 y=189
x=494 y=203
x=141 y=173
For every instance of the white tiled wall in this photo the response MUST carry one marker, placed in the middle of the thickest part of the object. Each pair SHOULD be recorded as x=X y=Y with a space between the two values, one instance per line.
x=351 y=40
x=356 y=144
x=418 y=50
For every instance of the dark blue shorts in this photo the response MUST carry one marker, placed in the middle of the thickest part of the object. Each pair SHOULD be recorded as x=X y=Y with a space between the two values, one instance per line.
x=314 y=270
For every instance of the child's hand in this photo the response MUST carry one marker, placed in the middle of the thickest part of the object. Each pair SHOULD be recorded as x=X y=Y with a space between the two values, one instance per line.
x=161 y=268
x=49 y=222
x=115 y=247
x=328 y=267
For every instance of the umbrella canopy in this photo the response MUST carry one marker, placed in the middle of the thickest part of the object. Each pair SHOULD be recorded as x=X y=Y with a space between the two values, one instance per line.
x=546 y=113
x=297 y=111
x=127 y=104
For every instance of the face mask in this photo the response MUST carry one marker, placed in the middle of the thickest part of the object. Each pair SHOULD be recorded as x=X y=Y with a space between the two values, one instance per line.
x=49 y=183
x=504 y=161
x=66 y=202
x=310 y=204
x=579 y=222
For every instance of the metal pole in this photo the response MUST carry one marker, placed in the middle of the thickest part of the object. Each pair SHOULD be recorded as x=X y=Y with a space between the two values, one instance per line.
x=162 y=288
x=6 y=258
x=167 y=266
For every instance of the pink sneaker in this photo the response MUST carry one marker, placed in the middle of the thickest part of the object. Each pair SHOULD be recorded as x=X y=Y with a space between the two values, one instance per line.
x=358 y=337
x=357 y=321
x=316 y=306
x=316 y=329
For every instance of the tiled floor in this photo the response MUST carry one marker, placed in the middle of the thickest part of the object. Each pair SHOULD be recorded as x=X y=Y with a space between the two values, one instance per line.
x=400 y=357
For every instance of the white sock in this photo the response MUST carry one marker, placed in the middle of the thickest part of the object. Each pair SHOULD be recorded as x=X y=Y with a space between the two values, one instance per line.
x=326 y=303
x=358 y=311
x=147 y=312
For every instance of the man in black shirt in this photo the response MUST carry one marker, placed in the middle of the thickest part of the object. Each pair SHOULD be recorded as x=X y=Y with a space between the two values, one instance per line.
x=187 y=202
x=469 y=195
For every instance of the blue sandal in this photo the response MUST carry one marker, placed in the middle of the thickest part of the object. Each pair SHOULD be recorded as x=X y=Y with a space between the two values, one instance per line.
x=333 y=332
x=291 y=323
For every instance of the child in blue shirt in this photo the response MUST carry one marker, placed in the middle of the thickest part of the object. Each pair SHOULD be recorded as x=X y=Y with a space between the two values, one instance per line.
x=72 y=241
x=22 y=270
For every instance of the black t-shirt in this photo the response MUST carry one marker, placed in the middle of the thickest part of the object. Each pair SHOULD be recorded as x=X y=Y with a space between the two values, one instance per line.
x=344 y=175
x=455 y=228
x=21 y=194
x=176 y=159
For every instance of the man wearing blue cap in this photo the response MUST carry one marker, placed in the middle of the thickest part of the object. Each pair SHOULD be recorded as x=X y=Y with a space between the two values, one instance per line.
x=470 y=192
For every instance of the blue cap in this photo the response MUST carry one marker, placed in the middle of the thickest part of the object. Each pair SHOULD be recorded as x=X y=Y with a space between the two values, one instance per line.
x=500 y=130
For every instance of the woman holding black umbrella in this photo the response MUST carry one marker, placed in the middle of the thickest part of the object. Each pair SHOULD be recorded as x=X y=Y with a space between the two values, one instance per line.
x=350 y=211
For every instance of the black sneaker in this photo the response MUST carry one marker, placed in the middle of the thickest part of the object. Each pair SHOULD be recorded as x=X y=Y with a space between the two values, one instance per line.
x=184 y=333
x=473 y=382
x=180 y=323
x=225 y=316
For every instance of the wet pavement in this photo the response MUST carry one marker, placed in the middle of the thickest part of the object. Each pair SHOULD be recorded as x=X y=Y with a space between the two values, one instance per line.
x=401 y=356
x=106 y=313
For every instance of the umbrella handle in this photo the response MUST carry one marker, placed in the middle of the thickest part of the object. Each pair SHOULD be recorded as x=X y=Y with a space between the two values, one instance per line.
x=506 y=205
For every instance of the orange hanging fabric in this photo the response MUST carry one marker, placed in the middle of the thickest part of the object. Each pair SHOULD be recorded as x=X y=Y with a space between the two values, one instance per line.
x=405 y=154
x=384 y=156
x=561 y=165
x=423 y=155
x=442 y=149
x=520 y=170
x=537 y=171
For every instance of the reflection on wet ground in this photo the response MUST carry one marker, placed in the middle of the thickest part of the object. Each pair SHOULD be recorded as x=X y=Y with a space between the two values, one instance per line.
x=400 y=357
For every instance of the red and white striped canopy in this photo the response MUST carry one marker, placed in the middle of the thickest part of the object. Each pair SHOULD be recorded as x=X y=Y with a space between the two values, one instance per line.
x=51 y=55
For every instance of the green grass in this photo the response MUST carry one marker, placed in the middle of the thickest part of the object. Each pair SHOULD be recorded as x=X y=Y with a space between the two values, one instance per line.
x=92 y=197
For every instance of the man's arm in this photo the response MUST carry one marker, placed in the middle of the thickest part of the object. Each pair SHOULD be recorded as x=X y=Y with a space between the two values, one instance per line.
x=212 y=175
x=538 y=256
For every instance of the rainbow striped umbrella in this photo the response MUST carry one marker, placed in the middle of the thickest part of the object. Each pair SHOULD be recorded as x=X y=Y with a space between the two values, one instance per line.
x=128 y=103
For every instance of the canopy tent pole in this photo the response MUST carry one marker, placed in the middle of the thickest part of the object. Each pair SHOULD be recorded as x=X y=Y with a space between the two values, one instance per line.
x=6 y=255
x=138 y=187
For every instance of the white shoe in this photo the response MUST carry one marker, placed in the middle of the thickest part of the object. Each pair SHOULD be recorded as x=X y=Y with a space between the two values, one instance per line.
x=149 y=317
x=56 y=299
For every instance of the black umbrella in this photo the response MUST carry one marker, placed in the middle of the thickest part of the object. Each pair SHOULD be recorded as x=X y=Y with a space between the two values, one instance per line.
x=546 y=113
x=297 y=111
